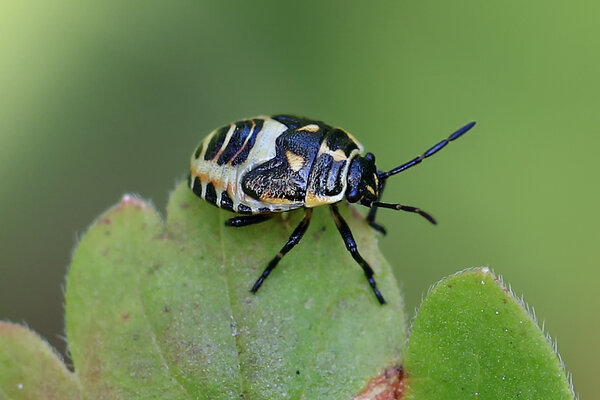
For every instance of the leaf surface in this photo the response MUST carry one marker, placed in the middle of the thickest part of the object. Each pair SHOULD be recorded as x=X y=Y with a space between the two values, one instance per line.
x=157 y=311
x=29 y=368
x=472 y=339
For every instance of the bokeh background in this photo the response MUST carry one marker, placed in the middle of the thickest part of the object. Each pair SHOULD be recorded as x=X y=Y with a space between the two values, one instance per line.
x=98 y=99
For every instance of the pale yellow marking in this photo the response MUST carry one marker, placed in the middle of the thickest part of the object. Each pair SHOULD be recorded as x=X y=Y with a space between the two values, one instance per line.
x=371 y=190
x=295 y=161
x=229 y=177
x=264 y=147
x=205 y=143
x=376 y=179
x=313 y=200
x=337 y=155
x=309 y=128
x=265 y=198
x=225 y=142
x=206 y=179
x=245 y=142
x=192 y=177
x=353 y=139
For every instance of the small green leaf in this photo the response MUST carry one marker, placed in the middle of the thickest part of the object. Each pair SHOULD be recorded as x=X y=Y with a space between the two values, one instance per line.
x=473 y=339
x=166 y=312
x=29 y=368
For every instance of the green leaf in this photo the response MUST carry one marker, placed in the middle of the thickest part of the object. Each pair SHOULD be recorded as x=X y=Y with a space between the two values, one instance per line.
x=29 y=368
x=166 y=312
x=473 y=339
x=157 y=311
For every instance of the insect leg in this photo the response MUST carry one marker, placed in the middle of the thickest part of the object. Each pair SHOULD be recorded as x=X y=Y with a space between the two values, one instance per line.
x=246 y=220
x=292 y=241
x=373 y=211
x=351 y=246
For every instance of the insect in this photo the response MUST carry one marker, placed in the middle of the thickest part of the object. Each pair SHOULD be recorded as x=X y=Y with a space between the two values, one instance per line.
x=262 y=166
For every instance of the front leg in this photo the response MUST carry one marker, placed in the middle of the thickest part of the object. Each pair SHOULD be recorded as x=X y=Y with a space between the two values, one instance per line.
x=373 y=211
x=371 y=221
x=351 y=246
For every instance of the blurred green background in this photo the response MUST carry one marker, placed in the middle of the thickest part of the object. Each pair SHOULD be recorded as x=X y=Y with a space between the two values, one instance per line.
x=98 y=99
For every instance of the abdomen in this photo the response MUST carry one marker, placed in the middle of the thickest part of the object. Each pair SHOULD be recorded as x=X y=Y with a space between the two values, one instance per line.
x=224 y=157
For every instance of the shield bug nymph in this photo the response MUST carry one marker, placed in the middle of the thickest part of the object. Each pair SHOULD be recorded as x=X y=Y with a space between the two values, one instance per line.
x=262 y=166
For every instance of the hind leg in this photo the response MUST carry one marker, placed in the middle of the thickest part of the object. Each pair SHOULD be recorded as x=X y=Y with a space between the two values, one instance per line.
x=292 y=241
x=246 y=220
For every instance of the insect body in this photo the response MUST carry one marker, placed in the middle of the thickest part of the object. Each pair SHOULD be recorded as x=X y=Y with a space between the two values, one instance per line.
x=267 y=165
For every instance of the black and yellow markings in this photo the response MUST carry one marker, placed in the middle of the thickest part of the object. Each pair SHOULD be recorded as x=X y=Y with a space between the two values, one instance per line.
x=327 y=181
x=337 y=145
x=340 y=142
x=226 y=201
x=294 y=122
x=198 y=150
x=295 y=161
x=241 y=142
x=197 y=186
x=337 y=155
x=242 y=155
x=283 y=179
x=236 y=141
x=298 y=163
x=231 y=144
x=210 y=194
x=216 y=142
x=310 y=128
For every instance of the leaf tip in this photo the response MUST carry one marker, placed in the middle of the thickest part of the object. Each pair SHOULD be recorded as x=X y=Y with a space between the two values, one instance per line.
x=8 y=328
x=131 y=200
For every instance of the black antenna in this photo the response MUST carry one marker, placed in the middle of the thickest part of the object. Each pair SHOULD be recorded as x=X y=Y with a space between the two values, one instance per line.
x=430 y=152
x=416 y=210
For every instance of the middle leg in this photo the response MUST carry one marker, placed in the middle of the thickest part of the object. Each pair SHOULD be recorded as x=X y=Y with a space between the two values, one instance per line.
x=351 y=246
